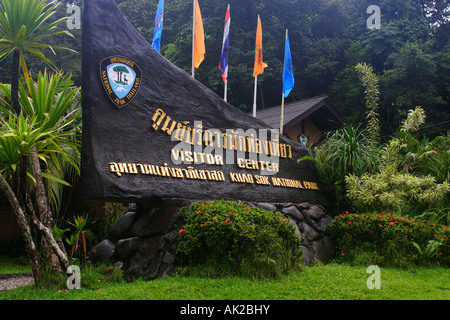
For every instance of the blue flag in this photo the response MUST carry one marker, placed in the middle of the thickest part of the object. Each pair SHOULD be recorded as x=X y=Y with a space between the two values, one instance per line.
x=288 y=76
x=158 y=26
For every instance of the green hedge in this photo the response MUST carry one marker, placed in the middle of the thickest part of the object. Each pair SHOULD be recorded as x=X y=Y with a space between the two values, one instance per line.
x=233 y=238
x=385 y=239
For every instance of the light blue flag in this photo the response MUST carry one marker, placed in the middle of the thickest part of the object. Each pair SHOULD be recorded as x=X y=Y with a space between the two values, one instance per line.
x=158 y=26
x=288 y=76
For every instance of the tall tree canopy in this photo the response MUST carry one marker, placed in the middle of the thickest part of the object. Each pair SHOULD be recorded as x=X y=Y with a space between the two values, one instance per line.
x=410 y=53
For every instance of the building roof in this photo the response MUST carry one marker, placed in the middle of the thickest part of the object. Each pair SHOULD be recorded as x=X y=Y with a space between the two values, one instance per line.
x=319 y=109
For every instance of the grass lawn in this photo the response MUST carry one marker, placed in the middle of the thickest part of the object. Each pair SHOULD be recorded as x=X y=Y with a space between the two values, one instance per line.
x=319 y=282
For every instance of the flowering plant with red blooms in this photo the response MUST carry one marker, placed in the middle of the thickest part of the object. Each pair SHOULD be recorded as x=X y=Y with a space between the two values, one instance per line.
x=237 y=236
x=387 y=239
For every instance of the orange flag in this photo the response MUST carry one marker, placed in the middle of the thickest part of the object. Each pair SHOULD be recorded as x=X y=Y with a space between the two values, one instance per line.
x=199 y=39
x=259 y=64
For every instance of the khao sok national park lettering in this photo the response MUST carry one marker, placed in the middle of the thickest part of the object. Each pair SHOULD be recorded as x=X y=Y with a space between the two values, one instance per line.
x=236 y=140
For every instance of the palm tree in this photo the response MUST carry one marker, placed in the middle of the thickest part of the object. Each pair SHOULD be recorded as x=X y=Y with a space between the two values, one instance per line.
x=48 y=133
x=24 y=24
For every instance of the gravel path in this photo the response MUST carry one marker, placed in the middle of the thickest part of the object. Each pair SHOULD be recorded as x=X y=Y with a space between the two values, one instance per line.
x=14 y=280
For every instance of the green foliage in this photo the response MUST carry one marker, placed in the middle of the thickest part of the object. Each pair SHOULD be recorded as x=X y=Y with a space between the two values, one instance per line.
x=434 y=158
x=112 y=212
x=51 y=131
x=386 y=239
x=80 y=237
x=346 y=150
x=23 y=26
x=233 y=238
x=19 y=136
x=390 y=190
x=372 y=96
x=397 y=186
x=328 y=38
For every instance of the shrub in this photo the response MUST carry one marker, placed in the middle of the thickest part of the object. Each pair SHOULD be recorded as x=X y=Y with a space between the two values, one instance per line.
x=390 y=190
x=233 y=238
x=389 y=240
x=345 y=151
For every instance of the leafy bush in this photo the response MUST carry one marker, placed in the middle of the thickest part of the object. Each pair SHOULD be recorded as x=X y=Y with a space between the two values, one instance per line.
x=412 y=177
x=233 y=238
x=390 y=190
x=385 y=239
x=345 y=151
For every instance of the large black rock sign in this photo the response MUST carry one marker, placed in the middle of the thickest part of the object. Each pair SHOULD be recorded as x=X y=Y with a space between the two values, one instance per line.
x=150 y=130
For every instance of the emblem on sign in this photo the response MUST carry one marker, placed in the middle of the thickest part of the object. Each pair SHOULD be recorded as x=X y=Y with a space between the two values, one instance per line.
x=121 y=78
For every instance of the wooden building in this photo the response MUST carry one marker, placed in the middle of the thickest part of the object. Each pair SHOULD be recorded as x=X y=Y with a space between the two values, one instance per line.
x=304 y=120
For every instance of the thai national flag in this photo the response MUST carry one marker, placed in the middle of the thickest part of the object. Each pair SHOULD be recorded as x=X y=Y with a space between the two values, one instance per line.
x=223 y=63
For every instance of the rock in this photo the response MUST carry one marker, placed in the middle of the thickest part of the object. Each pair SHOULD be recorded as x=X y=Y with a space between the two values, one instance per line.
x=266 y=206
x=158 y=221
x=293 y=212
x=103 y=251
x=322 y=225
x=309 y=233
x=168 y=258
x=308 y=255
x=132 y=207
x=140 y=228
x=133 y=267
x=327 y=219
x=330 y=245
x=320 y=251
x=121 y=227
x=287 y=205
x=149 y=248
x=316 y=212
x=303 y=205
x=125 y=247
x=249 y=204
x=308 y=251
x=319 y=226
x=324 y=249
x=152 y=269
x=306 y=216
x=166 y=270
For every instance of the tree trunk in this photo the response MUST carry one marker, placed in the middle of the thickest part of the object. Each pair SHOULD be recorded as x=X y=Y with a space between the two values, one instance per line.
x=48 y=238
x=45 y=217
x=32 y=252
x=15 y=83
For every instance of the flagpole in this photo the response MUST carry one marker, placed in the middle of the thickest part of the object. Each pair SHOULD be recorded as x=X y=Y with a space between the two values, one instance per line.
x=282 y=113
x=193 y=37
x=254 y=97
x=225 y=91
x=282 y=102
